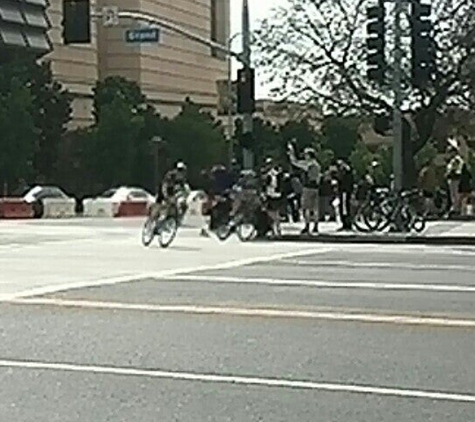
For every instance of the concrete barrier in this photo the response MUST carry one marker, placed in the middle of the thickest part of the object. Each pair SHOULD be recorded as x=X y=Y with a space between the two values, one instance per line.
x=100 y=208
x=59 y=208
x=15 y=208
x=133 y=209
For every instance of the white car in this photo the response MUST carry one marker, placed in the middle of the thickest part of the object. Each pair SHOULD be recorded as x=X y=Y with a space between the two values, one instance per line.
x=50 y=202
x=107 y=204
x=43 y=192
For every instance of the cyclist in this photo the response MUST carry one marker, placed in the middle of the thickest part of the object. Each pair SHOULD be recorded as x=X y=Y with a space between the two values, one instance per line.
x=173 y=192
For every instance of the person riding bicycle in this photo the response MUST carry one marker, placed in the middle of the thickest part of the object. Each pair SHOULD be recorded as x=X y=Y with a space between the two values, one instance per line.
x=173 y=192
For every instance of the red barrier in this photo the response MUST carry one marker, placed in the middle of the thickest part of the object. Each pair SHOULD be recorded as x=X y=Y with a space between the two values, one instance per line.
x=132 y=209
x=12 y=208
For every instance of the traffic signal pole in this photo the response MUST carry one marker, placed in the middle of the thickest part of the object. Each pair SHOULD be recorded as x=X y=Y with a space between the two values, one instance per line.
x=397 y=92
x=248 y=156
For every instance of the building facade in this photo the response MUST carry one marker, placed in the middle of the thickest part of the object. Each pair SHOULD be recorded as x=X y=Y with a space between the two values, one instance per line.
x=168 y=71
x=23 y=26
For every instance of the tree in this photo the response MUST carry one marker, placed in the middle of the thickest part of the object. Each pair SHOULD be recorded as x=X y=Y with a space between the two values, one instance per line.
x=17 y=131
x=195 y=138
x=51 y=111
x=316 y=51
x=117 y=148
x=360 y=160
x=113 y=87
x=340 y=134
x=51 y=114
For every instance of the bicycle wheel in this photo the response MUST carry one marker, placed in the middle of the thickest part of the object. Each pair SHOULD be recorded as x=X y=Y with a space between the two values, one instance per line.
x=418 y=224
x=246 y=231
x=167 y=232
x=224 y=231
x=148 y=231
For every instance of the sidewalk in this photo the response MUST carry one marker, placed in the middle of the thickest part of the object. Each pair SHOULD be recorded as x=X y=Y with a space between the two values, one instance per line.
x=436 y=233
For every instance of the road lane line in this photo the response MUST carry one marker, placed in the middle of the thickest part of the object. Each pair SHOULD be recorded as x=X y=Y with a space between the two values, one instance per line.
x=127 y=278
x=448 y=288
x=242 y=380
x=334 y=315
x=390 y=265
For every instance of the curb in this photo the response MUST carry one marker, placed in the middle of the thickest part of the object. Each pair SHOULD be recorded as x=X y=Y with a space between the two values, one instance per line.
x=382 y=239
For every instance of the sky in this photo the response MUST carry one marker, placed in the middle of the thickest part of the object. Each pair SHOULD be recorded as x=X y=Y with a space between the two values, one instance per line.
x=258 y=9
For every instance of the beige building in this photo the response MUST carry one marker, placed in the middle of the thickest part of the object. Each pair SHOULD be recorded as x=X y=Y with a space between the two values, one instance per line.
x=167 y=72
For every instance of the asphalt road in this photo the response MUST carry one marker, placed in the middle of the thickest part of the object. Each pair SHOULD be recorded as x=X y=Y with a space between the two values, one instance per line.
x=94 y=327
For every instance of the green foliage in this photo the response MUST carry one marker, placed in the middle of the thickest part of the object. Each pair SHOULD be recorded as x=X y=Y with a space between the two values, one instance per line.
x=360 y=160
x=18 y=134
x=268 y=142
x=195 y=138
x=50 y=110
x=426 y=155
x=340 y=134
x=114 y=87
x=51 y=113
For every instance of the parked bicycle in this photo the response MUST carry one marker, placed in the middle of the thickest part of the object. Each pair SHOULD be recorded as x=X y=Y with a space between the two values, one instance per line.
x=394 y=211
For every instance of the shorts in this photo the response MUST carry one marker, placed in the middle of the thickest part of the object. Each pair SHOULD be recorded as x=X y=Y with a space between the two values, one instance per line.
x=310 y=199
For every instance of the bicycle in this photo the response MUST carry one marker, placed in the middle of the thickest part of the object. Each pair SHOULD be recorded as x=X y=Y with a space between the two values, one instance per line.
x=397 y=213
x=370 y=215
x=165 y=225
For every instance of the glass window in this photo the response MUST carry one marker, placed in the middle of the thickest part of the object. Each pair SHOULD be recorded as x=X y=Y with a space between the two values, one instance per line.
x=138 y=194
x=37 y=40
x=11 y=36
x=35 y=17
x=37 y=2
x=109 y=193
x=11 y=13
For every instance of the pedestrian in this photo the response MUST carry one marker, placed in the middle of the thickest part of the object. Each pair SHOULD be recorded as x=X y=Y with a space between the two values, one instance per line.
x=273 y=195
x=465 y=189
x=345 y=191
x=311 y=183
x=453 y=175
x=428 y=184
x=325 y=196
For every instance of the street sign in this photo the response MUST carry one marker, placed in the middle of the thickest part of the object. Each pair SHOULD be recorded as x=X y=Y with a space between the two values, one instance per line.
x=142 y=35
x=110 y=16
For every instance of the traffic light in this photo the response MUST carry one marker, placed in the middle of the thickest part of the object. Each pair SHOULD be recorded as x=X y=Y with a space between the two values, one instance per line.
x=375 y=43
x=76 y=21
x=423 y=54
x=246 y=91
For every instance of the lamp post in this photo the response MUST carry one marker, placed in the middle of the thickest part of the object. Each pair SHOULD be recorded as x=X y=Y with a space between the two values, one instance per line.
x=157 y=141
x=230 y=96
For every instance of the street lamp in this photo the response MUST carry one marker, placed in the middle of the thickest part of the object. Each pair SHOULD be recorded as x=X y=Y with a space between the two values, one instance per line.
x=157 y=142
x=230 y=96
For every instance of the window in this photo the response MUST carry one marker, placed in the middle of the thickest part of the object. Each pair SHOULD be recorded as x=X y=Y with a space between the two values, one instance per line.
x=138 y=194
x=37 y=40
x=109 y=193
x=219 y=18
x=214 y=27
x=37 y=2
x=36 y=18
x=10 y=36
x=10 y=12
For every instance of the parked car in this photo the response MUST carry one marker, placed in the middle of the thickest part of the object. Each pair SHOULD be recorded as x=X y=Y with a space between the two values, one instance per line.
x=36 y=195
x=107 y=204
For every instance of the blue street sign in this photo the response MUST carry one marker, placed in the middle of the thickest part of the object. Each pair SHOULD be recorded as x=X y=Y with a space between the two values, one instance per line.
x=142 y=35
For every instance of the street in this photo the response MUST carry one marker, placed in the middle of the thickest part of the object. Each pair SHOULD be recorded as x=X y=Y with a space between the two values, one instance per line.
x=95 y=327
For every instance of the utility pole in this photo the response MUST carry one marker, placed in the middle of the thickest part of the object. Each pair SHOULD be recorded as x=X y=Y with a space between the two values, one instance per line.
x=248 y=157
x=397 y=91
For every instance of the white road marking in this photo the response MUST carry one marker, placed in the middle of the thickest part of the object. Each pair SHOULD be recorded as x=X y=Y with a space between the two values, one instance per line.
x=242 y=380
x=336 y=315
x=390 y=265
x=448 y=288
x=127 y=278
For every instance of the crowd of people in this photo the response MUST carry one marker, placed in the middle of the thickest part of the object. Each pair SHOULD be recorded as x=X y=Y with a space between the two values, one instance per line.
x=276 y=194
x=300 y=189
